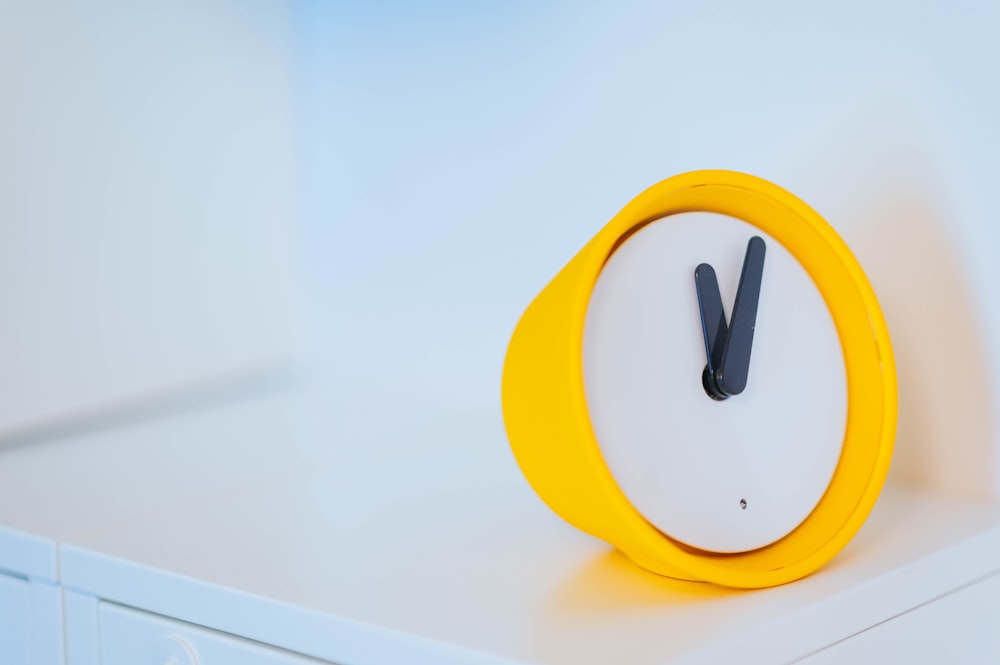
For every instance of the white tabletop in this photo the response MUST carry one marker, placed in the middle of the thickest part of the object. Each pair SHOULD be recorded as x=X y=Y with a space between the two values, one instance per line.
x=436 y=537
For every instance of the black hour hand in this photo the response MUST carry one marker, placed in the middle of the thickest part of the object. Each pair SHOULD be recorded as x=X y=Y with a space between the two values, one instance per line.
x=713 y=325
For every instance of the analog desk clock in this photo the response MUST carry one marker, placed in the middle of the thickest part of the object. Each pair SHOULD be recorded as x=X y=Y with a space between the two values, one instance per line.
x=708 y=385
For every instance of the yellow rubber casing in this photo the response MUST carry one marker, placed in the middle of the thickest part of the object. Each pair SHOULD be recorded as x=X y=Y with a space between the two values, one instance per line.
x=545 y=407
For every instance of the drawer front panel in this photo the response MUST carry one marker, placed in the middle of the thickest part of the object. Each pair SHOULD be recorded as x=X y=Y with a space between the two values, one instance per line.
x=133 y=637
x=15 y=605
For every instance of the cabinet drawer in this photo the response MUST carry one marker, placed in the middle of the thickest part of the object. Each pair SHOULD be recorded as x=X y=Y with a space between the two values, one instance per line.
x=14 y=608
x=133 y=637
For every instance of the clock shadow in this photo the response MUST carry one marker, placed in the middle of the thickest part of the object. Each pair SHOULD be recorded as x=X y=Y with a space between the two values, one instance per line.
x=609 y=609
x=875 y=172
x=611 y=581
x=943 y=434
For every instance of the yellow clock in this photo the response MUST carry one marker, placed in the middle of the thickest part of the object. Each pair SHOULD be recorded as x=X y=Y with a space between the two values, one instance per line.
x=708 y=385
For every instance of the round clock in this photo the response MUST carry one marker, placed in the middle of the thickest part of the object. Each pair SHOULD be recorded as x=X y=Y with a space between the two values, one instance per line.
x=708 y=385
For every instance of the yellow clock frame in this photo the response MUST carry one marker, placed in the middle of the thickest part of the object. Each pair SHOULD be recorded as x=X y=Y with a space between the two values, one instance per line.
x=545 y=408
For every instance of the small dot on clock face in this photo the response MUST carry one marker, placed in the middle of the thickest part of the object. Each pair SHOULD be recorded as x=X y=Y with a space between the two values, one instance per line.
x=678 y=455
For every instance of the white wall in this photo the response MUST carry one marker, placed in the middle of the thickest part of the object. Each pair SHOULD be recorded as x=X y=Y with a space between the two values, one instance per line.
x=147 y=203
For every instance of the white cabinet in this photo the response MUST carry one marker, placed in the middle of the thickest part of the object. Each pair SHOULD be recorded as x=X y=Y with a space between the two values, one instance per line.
x=146 y=199
x=14 y=619
x=30 y=622
x=130 y=636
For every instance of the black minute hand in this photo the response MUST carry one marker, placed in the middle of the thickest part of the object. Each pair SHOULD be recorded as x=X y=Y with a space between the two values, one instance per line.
x=731 y=374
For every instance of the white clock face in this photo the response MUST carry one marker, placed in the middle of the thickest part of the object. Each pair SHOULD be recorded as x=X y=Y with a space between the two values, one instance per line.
x=721 y=476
